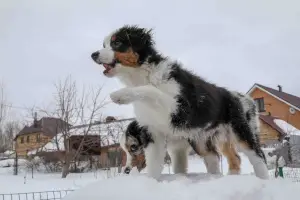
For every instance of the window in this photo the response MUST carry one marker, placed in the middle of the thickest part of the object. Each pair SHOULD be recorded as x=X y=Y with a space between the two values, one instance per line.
x=38 y=137
x=22 y=140
x=27 y=139
x=260 y=104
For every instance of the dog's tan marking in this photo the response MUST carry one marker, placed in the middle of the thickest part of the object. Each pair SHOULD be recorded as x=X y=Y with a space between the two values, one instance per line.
x=244 y=145
x=233 y=158
x=140 y=162
x=128 y=58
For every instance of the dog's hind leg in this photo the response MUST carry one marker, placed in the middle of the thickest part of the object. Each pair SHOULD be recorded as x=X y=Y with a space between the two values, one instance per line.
x=250 y=146
x=233 y=158
x=212 y=163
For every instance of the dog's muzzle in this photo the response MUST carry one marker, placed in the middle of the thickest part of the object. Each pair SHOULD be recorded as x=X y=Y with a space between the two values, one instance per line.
x=107 y=66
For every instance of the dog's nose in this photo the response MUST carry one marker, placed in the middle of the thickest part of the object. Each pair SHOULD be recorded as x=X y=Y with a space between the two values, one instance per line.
x=127 y=170
x=95 y=55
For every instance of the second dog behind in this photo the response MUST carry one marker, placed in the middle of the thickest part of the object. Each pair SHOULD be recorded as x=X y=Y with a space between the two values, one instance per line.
x=137 y=137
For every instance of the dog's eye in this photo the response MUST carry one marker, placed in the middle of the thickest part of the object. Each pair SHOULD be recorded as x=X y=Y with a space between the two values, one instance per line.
x=116 y=44
x=133 y=147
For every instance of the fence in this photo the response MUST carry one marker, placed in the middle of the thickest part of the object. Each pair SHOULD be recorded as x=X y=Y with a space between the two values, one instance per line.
x=292 y=174
x=45 y=195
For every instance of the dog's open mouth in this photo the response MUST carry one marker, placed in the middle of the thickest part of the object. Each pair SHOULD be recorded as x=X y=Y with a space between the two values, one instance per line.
x=108 y=67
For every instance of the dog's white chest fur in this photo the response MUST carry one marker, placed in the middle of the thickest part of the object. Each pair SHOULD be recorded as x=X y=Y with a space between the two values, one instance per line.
x=155 y=111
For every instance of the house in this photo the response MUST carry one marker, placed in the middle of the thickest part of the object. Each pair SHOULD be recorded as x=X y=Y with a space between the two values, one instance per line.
x=99 y=140
x=37 y=134
x=274 y=105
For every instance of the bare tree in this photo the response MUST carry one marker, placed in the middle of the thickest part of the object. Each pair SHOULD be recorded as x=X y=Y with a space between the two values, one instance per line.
x=11 y=128
x=4 y=108
x=3 y=105
x=73 y=107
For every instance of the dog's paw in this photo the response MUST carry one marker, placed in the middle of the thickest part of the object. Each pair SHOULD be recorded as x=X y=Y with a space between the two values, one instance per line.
x=123 y=96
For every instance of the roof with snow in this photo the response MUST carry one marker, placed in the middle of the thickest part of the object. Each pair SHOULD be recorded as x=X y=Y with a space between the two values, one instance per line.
x=286 y=127
x=268 y=119
x=287 y=98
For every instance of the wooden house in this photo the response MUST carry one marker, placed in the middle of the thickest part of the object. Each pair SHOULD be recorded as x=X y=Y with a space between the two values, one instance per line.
x=37 y=134
x=275 y=104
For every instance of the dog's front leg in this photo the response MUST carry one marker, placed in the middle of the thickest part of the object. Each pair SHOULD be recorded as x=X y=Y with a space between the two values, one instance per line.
x=131 y=94
x=155 y=154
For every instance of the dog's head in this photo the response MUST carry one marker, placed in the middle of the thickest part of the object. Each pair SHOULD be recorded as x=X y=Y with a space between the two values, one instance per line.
x=124 y=49
x=132 y=144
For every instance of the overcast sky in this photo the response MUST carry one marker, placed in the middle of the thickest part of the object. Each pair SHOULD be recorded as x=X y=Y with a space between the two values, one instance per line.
x=232 y=43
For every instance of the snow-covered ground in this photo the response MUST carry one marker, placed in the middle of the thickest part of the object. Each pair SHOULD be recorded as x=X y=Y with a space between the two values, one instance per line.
x=48 y=182
x=43 y=182
x=200 y=186
x=195 y=185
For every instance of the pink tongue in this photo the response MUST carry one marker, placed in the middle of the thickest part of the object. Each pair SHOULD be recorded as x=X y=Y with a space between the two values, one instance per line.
x=107 y=68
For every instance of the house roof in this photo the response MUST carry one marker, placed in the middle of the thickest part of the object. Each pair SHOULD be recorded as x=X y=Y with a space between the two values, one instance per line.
x=268 y=119
x=47 y=125
x=287 y=98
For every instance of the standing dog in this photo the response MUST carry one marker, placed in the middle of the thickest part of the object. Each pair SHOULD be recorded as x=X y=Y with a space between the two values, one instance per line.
x=179 y=104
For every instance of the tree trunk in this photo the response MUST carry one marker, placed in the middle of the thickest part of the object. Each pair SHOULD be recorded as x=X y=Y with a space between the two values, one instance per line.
x=91 y=162
x=66 y=167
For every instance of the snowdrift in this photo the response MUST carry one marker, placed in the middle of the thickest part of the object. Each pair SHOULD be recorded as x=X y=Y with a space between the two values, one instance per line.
x=193 y=186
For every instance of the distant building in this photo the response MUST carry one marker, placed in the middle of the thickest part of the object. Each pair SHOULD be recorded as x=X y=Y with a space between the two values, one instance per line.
x=37 y=134
x=275 y=105
x=99 y=140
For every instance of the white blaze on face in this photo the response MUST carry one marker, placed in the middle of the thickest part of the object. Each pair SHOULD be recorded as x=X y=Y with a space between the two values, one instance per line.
x=106 y=55
x=123 y=146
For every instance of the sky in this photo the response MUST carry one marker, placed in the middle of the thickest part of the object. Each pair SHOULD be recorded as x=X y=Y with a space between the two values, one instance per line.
x=232 y=43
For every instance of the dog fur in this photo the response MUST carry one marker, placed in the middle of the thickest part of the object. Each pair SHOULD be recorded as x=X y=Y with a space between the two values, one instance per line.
x=174 y=103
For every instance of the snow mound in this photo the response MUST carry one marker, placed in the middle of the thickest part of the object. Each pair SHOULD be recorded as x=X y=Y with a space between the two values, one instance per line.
x=201 y=186
x=286 y=127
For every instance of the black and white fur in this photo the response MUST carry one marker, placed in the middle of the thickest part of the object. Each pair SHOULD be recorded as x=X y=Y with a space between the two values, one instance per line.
x=173 y=102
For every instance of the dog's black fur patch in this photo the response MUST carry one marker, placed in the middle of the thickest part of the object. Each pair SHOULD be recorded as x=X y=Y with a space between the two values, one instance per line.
x=140 y=40
x=141 y=134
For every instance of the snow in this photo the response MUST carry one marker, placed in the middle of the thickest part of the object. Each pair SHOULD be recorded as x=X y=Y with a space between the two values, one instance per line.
x=109 y=134
x=10 y=162
x=197 y=185
x=286 y=127
x=194 y=186
x=45 y=181
x=8 y=152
